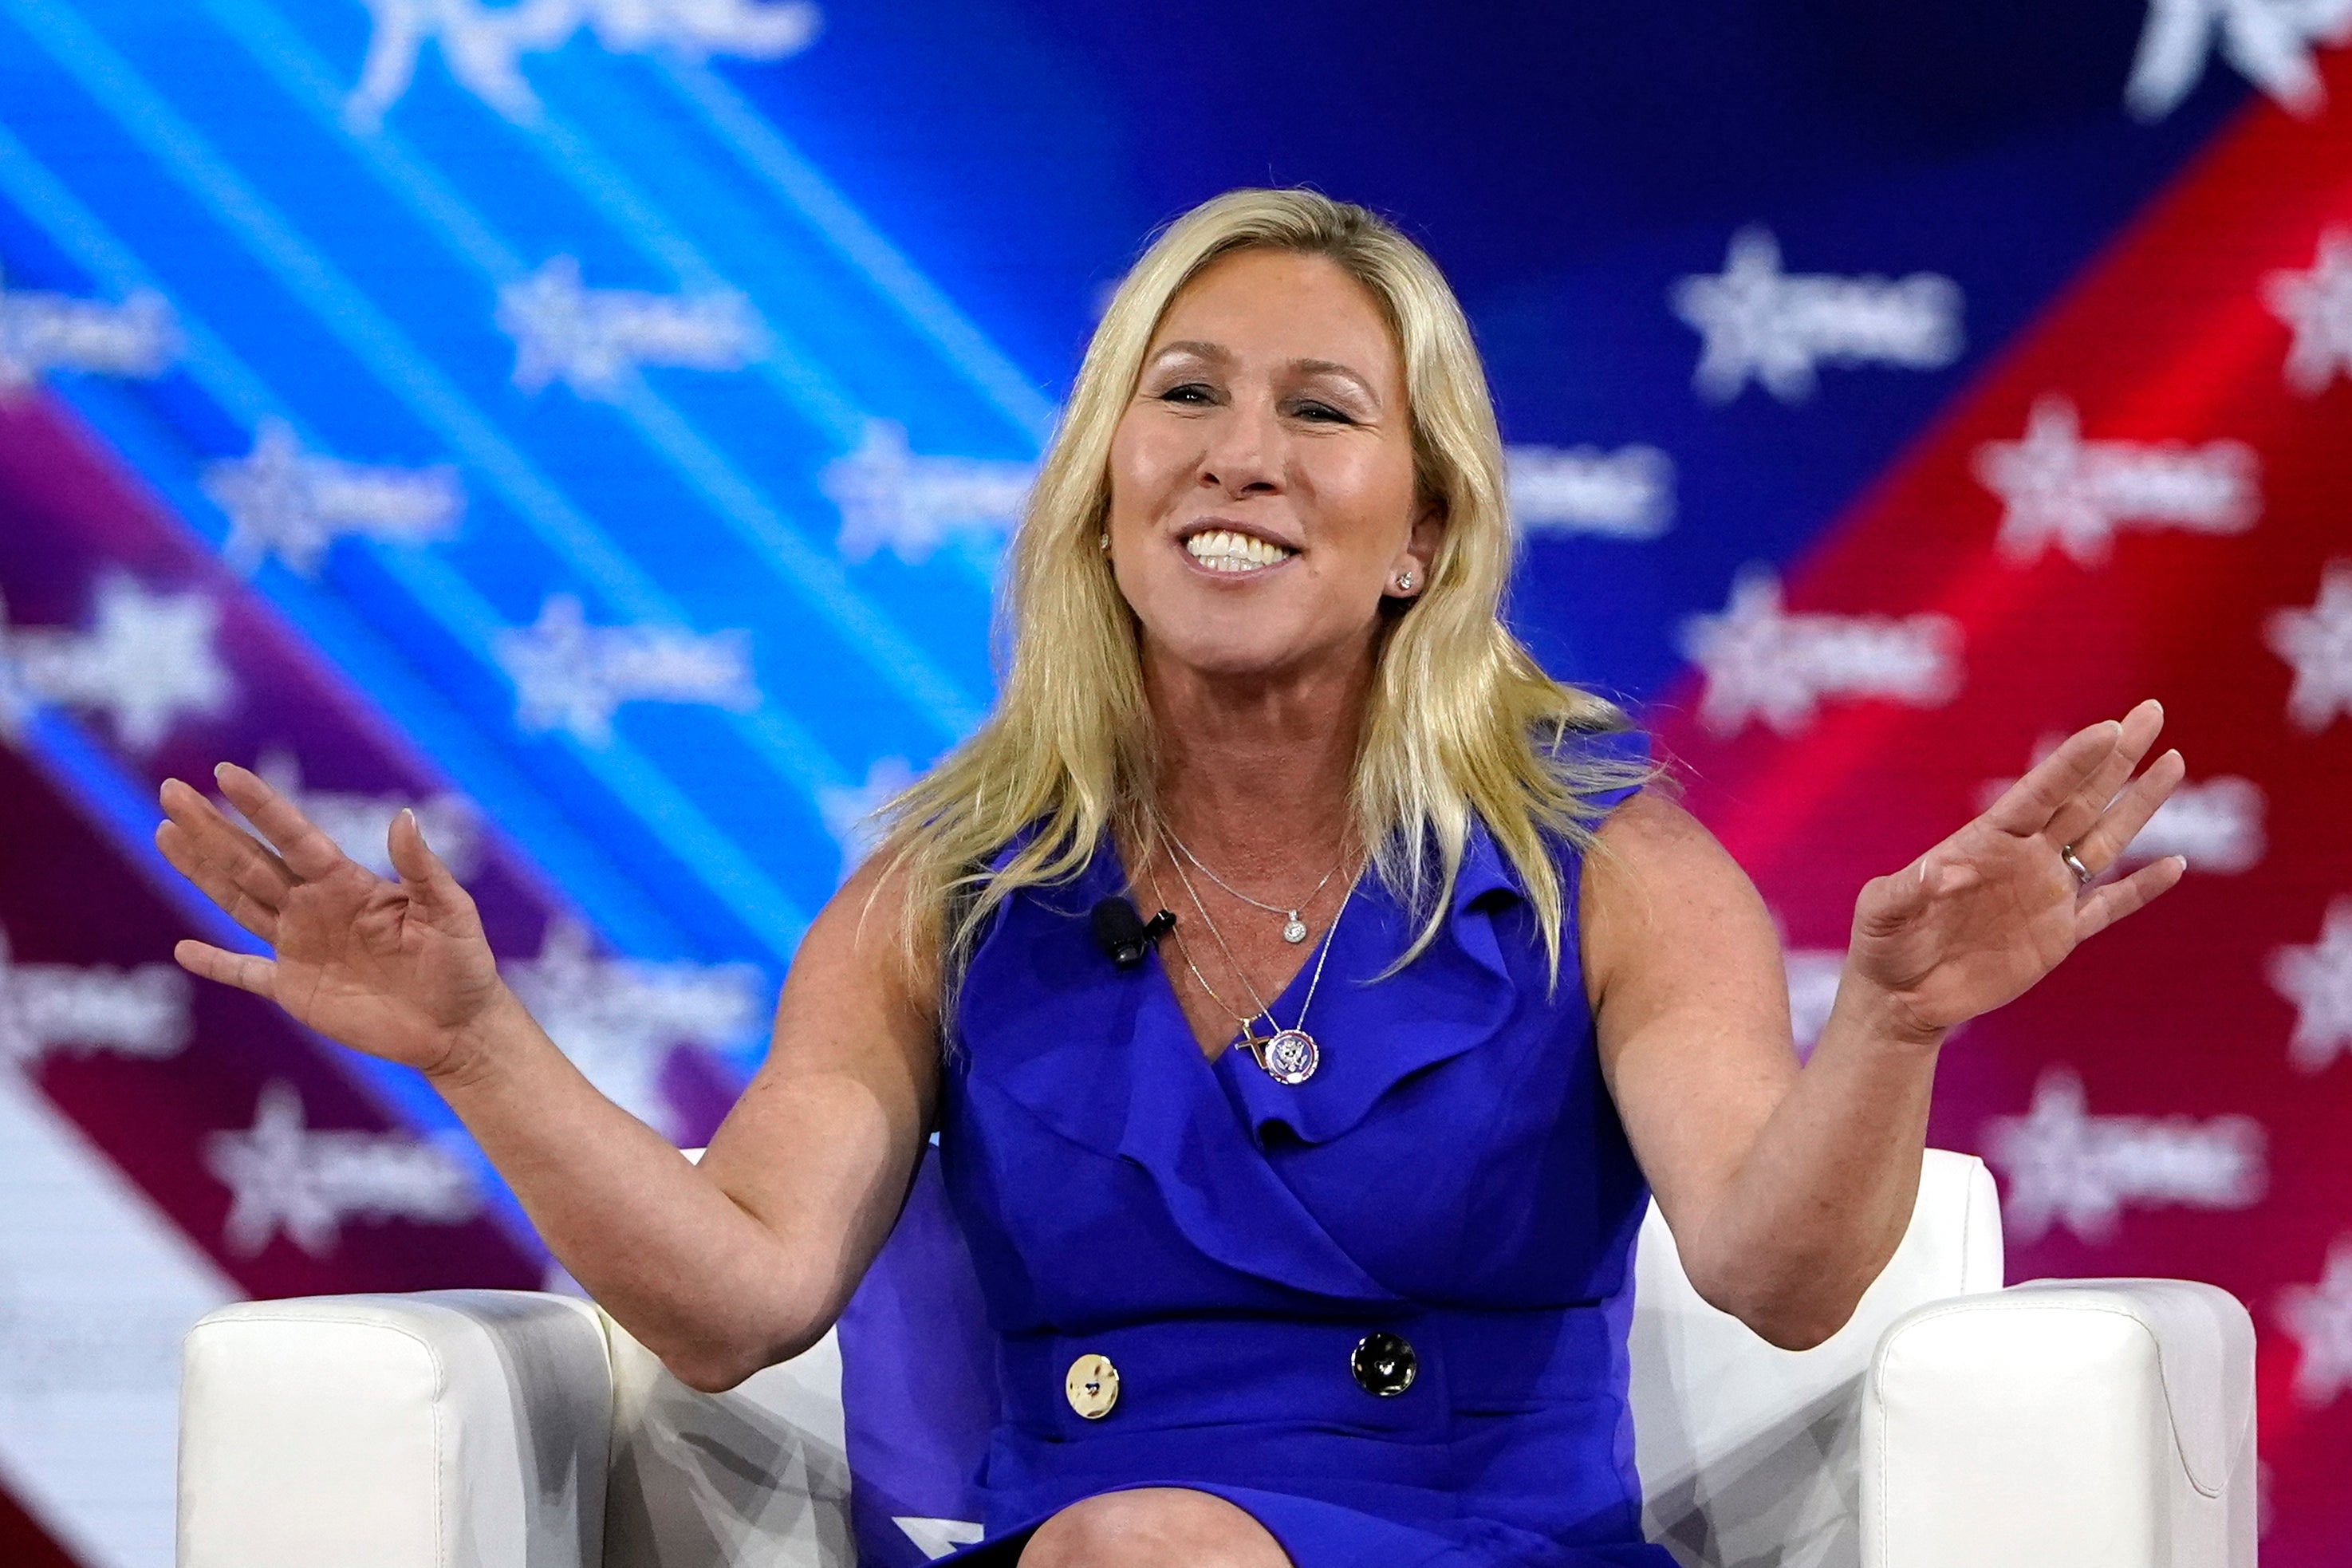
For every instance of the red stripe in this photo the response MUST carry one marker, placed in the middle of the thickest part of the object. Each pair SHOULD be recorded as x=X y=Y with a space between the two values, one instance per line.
x=2165 y=337
x=71 y=513
x=24 y=1543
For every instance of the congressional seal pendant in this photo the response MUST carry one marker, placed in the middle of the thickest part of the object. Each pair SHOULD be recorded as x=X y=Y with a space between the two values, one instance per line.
x=1290 y=1056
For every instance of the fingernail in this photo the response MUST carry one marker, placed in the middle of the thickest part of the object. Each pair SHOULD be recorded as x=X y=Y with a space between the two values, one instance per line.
x=220 y=769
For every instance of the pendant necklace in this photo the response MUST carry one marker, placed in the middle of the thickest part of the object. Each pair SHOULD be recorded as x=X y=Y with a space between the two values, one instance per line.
x=1288 y=1055
x=1247 y=1036
x=1294 y=930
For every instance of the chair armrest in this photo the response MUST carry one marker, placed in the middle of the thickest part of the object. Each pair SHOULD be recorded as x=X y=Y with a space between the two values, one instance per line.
x=2096 y=1423
x=445 y=1429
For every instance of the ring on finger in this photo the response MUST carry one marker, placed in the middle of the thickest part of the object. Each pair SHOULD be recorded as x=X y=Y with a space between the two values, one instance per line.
x=2083 y=873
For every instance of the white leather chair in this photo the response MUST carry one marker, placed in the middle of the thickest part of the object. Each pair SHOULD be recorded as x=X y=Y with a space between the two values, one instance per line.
x=2095 y=1424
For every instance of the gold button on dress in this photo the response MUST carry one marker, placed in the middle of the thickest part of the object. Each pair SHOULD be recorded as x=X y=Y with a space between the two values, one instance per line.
x=1092 y=1386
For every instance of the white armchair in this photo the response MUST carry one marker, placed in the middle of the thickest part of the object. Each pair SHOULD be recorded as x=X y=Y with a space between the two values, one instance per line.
x=2098 y=1424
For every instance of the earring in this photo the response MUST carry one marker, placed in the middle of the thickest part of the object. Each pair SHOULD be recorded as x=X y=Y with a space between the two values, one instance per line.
x=1102 y=541
x=1404 y=582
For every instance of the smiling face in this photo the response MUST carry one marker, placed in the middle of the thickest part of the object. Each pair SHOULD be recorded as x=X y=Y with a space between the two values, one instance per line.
x=1262 y=487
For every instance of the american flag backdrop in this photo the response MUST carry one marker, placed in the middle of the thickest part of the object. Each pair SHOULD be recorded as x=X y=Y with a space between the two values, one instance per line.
x=595 y=423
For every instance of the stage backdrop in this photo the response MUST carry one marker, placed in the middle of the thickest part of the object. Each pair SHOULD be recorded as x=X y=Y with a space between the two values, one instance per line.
x=596 y=423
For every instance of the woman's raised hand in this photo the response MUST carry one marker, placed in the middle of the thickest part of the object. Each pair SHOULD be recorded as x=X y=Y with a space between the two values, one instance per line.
x=399 y=970
x=1976 y=920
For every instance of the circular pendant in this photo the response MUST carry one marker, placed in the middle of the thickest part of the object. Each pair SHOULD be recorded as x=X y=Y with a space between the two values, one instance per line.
x=1290 y=1056
x=1294 y=930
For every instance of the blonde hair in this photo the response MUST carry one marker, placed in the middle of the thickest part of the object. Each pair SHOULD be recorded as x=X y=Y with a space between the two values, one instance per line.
x=1462 y=719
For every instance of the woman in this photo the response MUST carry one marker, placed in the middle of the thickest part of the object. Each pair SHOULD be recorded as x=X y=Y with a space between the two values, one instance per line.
x=1354 y=1291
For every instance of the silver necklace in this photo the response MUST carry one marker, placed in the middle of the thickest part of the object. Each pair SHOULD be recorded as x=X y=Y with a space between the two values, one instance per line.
x=1294 y=930
x=1288 y=1055
x=1246 y=1028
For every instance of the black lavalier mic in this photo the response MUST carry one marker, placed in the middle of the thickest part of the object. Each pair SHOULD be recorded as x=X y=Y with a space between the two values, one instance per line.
x=1124 y=934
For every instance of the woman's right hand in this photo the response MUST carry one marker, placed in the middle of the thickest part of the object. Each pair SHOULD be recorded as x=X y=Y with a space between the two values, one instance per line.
x=399 y=970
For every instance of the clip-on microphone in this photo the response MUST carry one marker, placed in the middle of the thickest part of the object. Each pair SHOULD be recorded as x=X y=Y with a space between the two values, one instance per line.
x=1123 y=934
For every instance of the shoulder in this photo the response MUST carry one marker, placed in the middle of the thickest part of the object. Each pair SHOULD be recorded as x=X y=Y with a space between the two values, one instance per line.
x=863 y=938
x=1649 y=823
x=1584 y=774
x=1659 y=890
x=1649 y=844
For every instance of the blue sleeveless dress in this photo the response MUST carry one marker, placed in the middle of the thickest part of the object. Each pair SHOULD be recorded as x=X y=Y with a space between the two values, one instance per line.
x=1454 y=1176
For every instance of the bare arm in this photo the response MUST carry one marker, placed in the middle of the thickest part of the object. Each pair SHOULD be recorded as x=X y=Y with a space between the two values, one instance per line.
x=1789 y=1189
x=719 y=1269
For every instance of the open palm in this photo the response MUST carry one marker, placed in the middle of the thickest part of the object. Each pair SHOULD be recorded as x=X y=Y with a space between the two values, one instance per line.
x=399 y=970
x=1979 y=918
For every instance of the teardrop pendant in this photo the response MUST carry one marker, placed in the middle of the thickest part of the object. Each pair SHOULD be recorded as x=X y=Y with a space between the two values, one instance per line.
x=1294 y=930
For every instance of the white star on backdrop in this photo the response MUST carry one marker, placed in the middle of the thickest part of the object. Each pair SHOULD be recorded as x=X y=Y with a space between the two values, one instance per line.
x=2058 y=489
x=909 y=503
x=283 y=1176
x=482 y=45
x=2052 y=1161
x=1775 y=326
x=285 y=501
x=619 y=1019
x=2271 y=42
x=1761 y=661
x=2068 y=1167
x=1741 y=653
x=2320 y=1319
x=2318 y=305
x=592 y=339
x=1739 y=313
x=2318 y=980
x=573 y=677
x=275 y=1184
x=2318 y=642
x=553 y=664
x=849 y=810
x=148 y=661
x=2042 y=481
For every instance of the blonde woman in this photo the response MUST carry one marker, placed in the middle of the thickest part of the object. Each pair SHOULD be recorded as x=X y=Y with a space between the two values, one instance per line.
x=1305 y=1229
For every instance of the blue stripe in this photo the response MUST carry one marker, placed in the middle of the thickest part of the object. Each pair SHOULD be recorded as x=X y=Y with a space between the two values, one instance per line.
x=764 y=151
x=733 y=498
x=775 y=918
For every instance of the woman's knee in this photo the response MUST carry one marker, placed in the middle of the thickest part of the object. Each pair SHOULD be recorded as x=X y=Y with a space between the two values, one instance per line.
x=1152 y=1527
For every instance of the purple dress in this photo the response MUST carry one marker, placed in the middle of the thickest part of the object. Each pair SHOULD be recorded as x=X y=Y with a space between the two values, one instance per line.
x=1384 y=1310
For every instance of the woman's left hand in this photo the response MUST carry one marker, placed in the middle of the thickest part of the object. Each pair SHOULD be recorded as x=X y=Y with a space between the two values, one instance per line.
x=1976 y=920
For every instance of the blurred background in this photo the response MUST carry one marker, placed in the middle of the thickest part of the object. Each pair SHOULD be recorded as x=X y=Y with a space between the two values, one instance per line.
x=596 y=424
